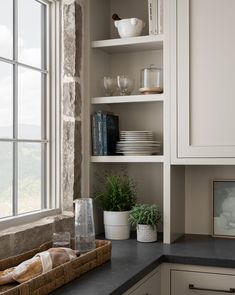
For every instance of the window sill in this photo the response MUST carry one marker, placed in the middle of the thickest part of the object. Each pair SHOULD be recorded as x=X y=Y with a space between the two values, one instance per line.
x=31 y=234
x=6 y=223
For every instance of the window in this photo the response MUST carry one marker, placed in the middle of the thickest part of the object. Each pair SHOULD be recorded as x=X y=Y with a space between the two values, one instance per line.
x=27 y=107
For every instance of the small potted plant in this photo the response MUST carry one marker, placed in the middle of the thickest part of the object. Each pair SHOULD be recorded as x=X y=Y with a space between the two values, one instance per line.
x=117 y=199
x=146 y=219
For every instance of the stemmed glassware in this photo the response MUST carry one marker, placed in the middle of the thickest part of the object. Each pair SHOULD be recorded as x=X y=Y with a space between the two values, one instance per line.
x=125 y=85
x=121 y=85
x=110 y=85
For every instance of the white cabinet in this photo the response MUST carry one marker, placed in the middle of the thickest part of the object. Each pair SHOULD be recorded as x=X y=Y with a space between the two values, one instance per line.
x=150 y=285
x=201 y=280
x=205 y=72
x=188 y=282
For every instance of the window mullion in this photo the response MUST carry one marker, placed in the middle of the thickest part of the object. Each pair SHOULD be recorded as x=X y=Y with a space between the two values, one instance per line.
x=44 y=118
x=15 y=178
x=43 y=157
x=15 y=108
x=13 y=62
x=43 y=196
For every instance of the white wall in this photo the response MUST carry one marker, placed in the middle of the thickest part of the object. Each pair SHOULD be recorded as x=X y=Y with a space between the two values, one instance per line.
x=198 y=193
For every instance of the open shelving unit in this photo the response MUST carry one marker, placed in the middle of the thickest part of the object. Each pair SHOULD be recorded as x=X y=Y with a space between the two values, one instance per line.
x=109 y=55
x=127 y=99
x=127 y=159
x=132 y=44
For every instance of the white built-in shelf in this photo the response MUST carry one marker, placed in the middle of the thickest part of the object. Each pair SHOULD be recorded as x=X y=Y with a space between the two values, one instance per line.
x=132 y=44
x=127 y=159
x=127 y=99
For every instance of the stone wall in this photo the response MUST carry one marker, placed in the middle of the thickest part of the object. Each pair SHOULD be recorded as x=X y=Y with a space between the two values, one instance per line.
x=24 y=237
x=72 y=37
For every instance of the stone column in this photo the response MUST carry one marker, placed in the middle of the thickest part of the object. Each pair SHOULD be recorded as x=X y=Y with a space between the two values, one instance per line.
x=72 y=43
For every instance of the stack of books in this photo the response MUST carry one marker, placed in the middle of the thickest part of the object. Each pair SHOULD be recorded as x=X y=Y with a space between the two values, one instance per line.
x=105 y=133
x=155 y=14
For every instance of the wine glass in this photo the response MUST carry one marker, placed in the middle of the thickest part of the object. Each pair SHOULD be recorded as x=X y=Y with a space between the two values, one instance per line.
x=110 y=86
x=125 y=85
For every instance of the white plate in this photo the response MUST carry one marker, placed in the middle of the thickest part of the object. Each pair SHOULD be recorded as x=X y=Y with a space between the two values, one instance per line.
x=145 y=150
x=134 y=143
x=136 y=131
x=144 y=153
x=137 y=138
x=137 y=134
x=138 y=148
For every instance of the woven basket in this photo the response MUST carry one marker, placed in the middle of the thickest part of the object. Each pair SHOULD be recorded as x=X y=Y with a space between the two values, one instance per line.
x=59 y=276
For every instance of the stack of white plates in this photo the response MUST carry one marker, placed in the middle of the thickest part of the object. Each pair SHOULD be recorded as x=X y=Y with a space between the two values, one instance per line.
x=138 y=143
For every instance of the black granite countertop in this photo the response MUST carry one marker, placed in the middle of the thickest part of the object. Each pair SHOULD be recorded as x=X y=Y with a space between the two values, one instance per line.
x=132 y=260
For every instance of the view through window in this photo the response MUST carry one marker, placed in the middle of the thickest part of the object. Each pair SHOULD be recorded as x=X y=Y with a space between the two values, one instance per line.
x=24 y=113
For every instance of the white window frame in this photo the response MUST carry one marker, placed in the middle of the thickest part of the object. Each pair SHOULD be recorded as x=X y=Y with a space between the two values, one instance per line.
x=52 y=202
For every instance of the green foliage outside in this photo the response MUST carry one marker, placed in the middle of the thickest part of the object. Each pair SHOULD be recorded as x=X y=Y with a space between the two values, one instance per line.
x=119 y=193
x=29 y=178
x=145 y=214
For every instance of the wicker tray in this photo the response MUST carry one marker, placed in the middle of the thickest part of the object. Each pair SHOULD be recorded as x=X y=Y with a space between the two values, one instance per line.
x=59 y=276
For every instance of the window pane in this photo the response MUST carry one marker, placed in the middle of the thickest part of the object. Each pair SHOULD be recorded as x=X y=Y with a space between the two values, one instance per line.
x=30 y=33
x=6 y=178
x=29 y=177
x=6 y=29
x=6 y=100
x=29 y=103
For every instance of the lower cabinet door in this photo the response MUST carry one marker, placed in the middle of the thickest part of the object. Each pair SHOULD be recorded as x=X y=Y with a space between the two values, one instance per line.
x=200 y=283
x=150 y=286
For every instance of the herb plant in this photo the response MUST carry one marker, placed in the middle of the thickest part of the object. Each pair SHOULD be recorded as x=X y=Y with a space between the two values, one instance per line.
x=145 y=214
x=119 y=193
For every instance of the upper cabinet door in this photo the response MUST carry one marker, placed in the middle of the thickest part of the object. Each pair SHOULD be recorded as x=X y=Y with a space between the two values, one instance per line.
x=206 y=78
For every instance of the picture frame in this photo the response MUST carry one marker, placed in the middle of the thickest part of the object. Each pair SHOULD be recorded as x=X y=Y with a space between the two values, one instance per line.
x=223 y=208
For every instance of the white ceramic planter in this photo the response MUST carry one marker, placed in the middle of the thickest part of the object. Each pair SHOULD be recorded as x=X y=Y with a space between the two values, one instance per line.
x=116 y=225
x=129 y=27
x=146 y=234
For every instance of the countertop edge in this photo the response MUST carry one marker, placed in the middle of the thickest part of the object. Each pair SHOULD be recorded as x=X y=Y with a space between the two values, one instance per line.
x=137 y=277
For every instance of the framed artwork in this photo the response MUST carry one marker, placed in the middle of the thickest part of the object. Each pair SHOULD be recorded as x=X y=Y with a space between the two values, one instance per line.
x=223 y=212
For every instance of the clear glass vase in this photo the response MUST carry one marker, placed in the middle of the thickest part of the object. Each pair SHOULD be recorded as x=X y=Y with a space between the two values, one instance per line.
x=84 y=225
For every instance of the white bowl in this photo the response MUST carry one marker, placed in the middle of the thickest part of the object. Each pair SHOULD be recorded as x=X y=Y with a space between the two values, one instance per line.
x=129 y=27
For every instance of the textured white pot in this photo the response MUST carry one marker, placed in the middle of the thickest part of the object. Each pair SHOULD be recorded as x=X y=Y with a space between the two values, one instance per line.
x=146 y=234
x=116 y=225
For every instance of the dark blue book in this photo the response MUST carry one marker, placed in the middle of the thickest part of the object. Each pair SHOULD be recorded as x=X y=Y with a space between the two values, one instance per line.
x=104 y=126
x=110 y=133
x=94 y=132
x=99 y=120
x=105 y=135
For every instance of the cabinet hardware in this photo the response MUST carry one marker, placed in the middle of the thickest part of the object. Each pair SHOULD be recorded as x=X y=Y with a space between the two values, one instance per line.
x=230 y=290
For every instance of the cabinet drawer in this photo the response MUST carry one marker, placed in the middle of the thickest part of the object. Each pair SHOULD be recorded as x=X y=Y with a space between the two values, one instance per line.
x=149 y=286
x=201 y=283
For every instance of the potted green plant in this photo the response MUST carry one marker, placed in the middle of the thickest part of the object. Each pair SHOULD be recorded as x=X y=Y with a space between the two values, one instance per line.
x=117 y=199
x=146 y=219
